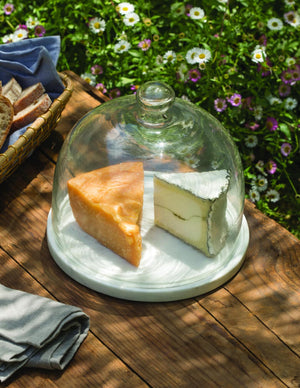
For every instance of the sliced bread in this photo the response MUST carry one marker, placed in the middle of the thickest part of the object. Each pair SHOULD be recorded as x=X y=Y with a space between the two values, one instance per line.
x=28 y=96
x=6 y=118
x=31 y=112
x=12 y=90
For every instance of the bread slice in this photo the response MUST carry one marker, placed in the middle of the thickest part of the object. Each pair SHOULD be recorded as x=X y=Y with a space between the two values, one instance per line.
x=107 y=204
x=31 y=112
x=6 y=118
x=28 y=96
x=12 y=90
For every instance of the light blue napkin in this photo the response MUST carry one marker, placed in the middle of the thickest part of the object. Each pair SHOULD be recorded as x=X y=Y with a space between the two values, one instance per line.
x=37 y=332
x=30 y=61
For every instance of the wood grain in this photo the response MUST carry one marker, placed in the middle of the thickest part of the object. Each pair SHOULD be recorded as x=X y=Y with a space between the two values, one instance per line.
x=245 y=334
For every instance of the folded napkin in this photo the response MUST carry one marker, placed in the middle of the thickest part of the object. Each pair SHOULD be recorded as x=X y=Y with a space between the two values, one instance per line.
x=30 y=61
x=37 y=332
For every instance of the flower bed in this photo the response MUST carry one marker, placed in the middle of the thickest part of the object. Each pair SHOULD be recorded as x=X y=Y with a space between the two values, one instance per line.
x=240 y=60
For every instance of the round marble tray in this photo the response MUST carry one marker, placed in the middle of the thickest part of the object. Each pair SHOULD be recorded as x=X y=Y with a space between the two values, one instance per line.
x=169 y=269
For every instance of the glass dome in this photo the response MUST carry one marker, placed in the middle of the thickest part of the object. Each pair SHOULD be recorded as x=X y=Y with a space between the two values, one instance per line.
x=168 y=135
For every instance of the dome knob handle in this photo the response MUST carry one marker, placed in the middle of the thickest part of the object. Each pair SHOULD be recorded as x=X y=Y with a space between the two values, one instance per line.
x=154 y=100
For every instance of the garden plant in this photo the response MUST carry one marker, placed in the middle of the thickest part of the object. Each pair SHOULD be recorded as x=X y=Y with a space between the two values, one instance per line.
x=239 y=60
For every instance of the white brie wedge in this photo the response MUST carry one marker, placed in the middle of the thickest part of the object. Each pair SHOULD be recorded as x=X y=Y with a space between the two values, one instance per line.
x=192 y=207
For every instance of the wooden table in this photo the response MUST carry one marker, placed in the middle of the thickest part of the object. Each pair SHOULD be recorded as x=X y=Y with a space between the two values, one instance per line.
x=244 y=334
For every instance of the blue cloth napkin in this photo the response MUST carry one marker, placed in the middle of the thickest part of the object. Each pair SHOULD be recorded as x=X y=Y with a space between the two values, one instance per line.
x=37 y=332
x=30 y=61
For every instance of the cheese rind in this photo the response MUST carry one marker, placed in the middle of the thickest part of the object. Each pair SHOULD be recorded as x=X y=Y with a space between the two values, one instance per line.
x=107 y=204
x=192 y=206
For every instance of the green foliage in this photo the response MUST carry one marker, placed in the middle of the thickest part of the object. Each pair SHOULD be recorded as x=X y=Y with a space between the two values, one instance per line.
x=259 y=123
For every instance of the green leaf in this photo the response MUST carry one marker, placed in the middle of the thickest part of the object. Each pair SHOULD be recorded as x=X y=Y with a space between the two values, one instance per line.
x=285 y=129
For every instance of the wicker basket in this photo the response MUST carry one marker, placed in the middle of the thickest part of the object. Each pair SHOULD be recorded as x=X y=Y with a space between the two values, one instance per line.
x=36 y=133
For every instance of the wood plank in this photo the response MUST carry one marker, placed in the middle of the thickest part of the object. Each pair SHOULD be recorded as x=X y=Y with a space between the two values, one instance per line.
x=244 y=334
x=102 y=369
x=182 y=341
x=268 y=285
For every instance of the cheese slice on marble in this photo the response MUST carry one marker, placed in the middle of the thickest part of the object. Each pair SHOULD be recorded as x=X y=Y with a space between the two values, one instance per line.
x=107 y=204
x=192 y=206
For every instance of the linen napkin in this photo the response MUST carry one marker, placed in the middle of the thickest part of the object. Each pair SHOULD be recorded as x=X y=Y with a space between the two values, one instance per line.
x=30 y=61
x=37 y=332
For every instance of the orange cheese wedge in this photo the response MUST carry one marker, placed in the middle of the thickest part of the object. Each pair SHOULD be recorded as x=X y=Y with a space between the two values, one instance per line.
x=107 y=204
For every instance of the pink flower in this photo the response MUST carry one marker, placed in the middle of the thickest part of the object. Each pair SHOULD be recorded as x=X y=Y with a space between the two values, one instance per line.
x=101 y=87
x=220 y=104
x=264 y=69
x=247 y=103
x=8 y=8
x=271 y=124
x=134 y=88
x=286 y=77
x=97 y=69
x=22 y=27
x=114 y=93
x=39 y=30
x=188 y=7
x=252 y=126
x=235 y=99
x=285 y=149
x=263 y=40
x=271 y=167
x=295 y=71
x=194 y=75
x=145 y=44
x=284 y=90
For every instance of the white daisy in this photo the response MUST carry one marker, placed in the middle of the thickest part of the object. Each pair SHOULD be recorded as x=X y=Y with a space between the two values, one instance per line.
x=123 y=36
x=251 y=141
x=203 y=55
x=274 y=100
x=290 y=61
x=289 y=2
x=169 y=57
x=292 y=18
x=259 y=183
x=258 y=111
x=89 y=78
x=7 y=38
x=131 y=19
x=159 y=60
x=196 y=13
x=19 y=34
x=177 y=10
x=258 y=55
x=275 y=24
x=254 y=195
x=122 y=46
x=97 y=25
x=125 y=8
x=272 y=195
x=32 y=22
x=290 y=103
x=191 y=55
x=185 y=98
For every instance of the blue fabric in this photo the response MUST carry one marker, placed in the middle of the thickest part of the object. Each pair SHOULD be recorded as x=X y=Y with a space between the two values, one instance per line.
x=30 y=61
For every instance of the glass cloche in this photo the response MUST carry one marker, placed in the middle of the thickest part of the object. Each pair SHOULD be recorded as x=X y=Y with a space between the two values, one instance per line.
x=175 y=141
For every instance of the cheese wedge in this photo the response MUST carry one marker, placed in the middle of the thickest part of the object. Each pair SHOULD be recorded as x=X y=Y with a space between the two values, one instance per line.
x=192 y=207
x=107 y=204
